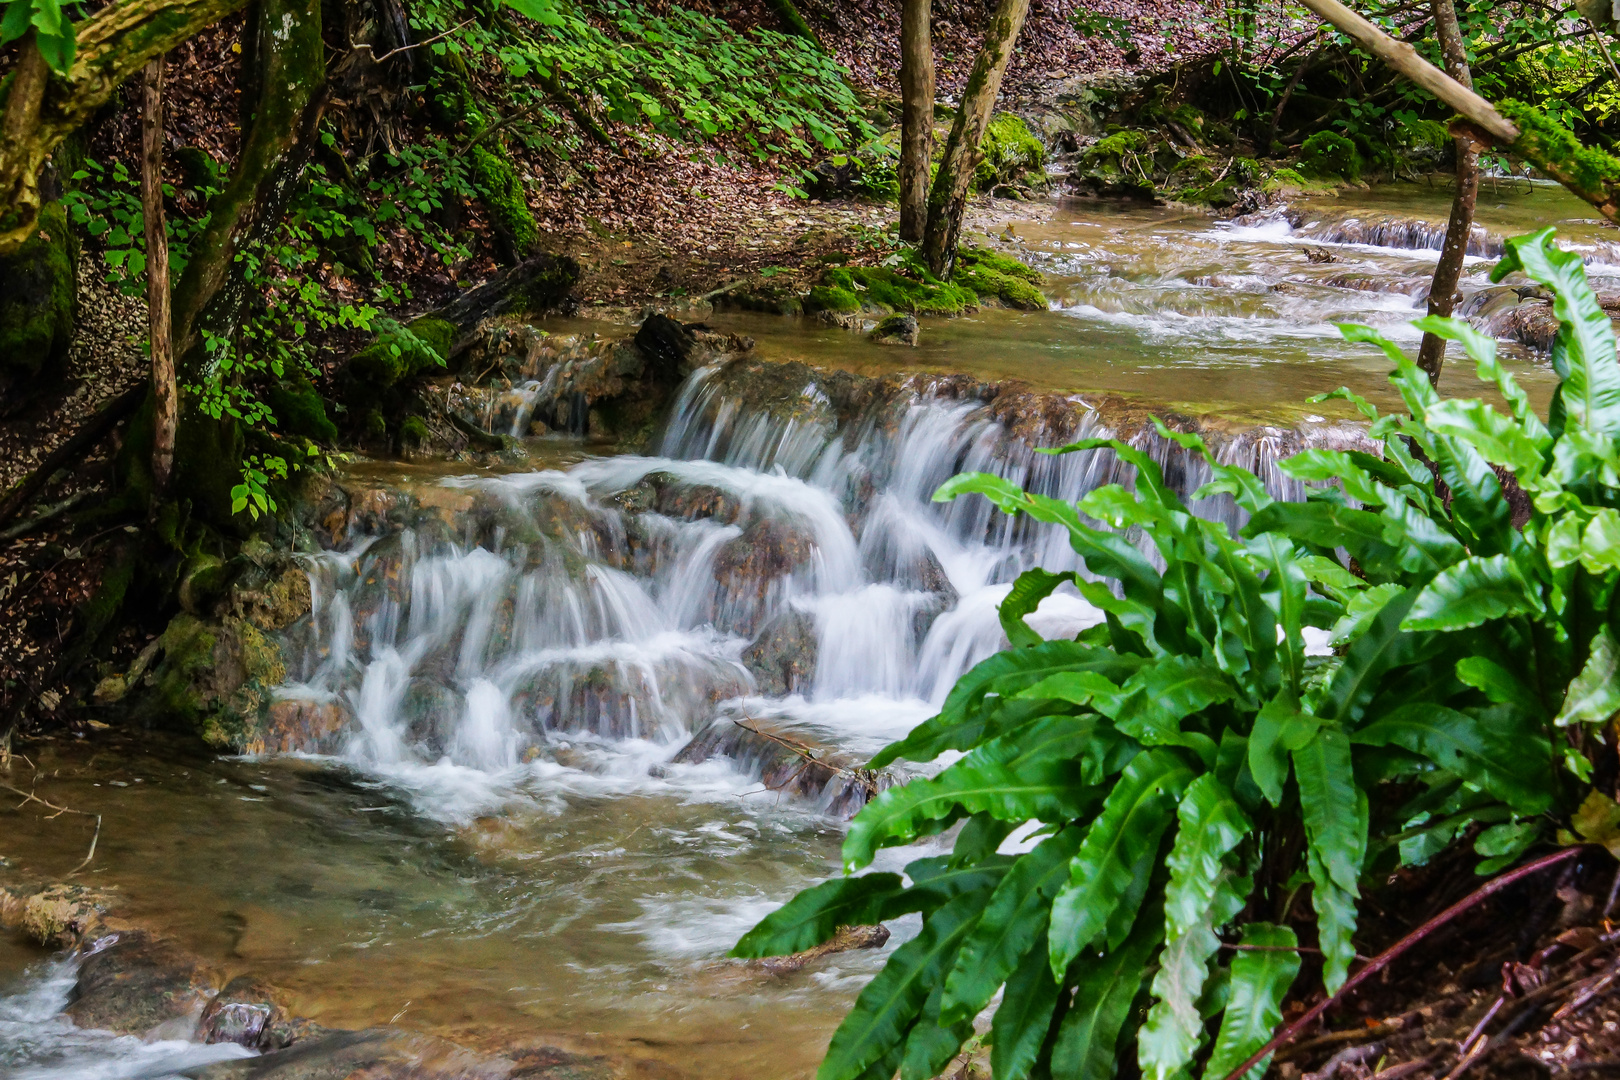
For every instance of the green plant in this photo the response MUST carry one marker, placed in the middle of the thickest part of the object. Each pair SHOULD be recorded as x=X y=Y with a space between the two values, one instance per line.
x=1329 y=154
x=1191 y=769
x=54 y=32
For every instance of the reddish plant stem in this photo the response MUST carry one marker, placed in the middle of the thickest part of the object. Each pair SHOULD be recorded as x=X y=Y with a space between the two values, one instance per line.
x=1389 y=955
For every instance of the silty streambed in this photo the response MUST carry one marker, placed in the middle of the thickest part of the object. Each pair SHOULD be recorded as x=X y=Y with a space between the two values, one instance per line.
x=540 y=821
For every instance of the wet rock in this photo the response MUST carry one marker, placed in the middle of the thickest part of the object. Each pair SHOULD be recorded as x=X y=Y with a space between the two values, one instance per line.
x=297 y=725
x=431 y=711
x=847 y=938
x=749 y=569
x=787 y=760
x=217 y=678
x=56 y=916
x=550 y=1063
x=133 y=983
x=247 y=1013
x=373 y=1054
x=783 y=657
x=1384 y=230
x=896 y=330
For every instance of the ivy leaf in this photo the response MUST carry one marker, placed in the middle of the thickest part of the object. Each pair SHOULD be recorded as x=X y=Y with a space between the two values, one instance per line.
x=1260 y=978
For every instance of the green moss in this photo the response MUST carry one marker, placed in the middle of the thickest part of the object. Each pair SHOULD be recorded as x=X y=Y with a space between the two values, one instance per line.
x=438 y=334
x=376 y=427
x=38 y=296
x=1188 y=116
x=1329 y=154
x=1554 y=149
x=414 y=432
x=299 y=410
x=1011 y=153
x=1115 y=146
x=832 y=298
x=1287 y=178
x=882 y=288
x=502 y=194
x=550 y=279
x=992 y=275
x=397 y=354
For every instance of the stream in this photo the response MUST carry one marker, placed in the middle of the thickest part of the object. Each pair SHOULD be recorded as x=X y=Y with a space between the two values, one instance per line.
x=545 y=821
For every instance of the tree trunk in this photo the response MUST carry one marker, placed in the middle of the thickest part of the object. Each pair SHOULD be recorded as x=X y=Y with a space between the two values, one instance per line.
x=212 y=295
x=1448 y=271
x=113 y=44
x=157 y=278
x=947 y=201
x=916 y=116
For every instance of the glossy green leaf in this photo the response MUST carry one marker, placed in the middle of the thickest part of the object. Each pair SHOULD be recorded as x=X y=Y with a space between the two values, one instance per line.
x=1105 y=988
x=1203 y=893
x=1024 y=1017
x=1594 y=695
x=1472 y=593
x=1498 y=438
x=1028 y=591
x=1583 y=353
x=1506 y=758
x=1016 y=916
x=889 y=1006
x=815 y=915
x=1498 y=683
x=1261 y=977
x=1126 y=833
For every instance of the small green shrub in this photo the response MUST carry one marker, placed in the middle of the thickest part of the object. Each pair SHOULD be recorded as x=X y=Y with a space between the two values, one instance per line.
x=1164 y=752
x=1327 y=154
x=299 y=410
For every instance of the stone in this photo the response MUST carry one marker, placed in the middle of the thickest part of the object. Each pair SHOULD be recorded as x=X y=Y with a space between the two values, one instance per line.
x=782 y=658
x=788 y=760
x=372 y=1054
x=247 y=1013
x=297 y=725
x=133 y=982
x=56 y=916
x=896 y=330
x=38 y=303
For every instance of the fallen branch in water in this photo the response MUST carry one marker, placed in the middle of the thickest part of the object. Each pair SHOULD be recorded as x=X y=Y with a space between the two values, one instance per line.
x=864 y=777
x=29 y=796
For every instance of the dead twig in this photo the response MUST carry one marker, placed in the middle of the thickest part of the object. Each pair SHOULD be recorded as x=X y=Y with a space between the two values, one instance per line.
x=863 y=777
x=1389 y=955
x=375 y=59
x=29 y=796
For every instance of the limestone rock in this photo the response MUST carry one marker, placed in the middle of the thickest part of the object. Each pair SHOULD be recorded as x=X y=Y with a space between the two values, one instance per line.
x=783 y=657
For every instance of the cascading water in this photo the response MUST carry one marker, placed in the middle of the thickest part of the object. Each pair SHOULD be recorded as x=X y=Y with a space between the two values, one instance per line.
x=629 y=602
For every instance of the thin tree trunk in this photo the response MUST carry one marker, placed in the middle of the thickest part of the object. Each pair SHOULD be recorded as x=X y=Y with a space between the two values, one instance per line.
x=166 y=409
x=1448 y=271
x=947 y=201
x=916 y=116
x=113 y=44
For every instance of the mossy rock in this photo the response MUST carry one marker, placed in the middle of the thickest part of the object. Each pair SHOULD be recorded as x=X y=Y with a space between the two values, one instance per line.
x=993 y=275
x=1012 y=154
x=439 y=334
x=502 y=194
x=215 y=678
x=770 y=297
x=832 y=298
x=397 y=354
x=198 y=168
x=38 y=301
x=1327 y=154
x=880 y=288
x=414 y=432
x=299 y=410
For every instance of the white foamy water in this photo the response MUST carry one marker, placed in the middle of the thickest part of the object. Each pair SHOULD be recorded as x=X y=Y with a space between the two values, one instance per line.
x=564 y=635
x=39 y=1042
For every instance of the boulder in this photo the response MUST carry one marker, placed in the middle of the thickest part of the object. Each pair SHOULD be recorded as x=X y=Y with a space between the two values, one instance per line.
x=896 y=330
x=38 y=302
x=782 y=658
x=134 y=982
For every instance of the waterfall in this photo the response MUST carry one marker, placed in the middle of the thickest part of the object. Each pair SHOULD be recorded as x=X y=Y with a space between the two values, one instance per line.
x=775 y=561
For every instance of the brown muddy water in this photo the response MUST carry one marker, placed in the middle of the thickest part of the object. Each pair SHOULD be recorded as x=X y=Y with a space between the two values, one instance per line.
x=471 y=865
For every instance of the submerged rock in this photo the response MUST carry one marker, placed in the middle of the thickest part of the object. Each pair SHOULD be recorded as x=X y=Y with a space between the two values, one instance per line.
x=135 y=983
x=896 y=330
